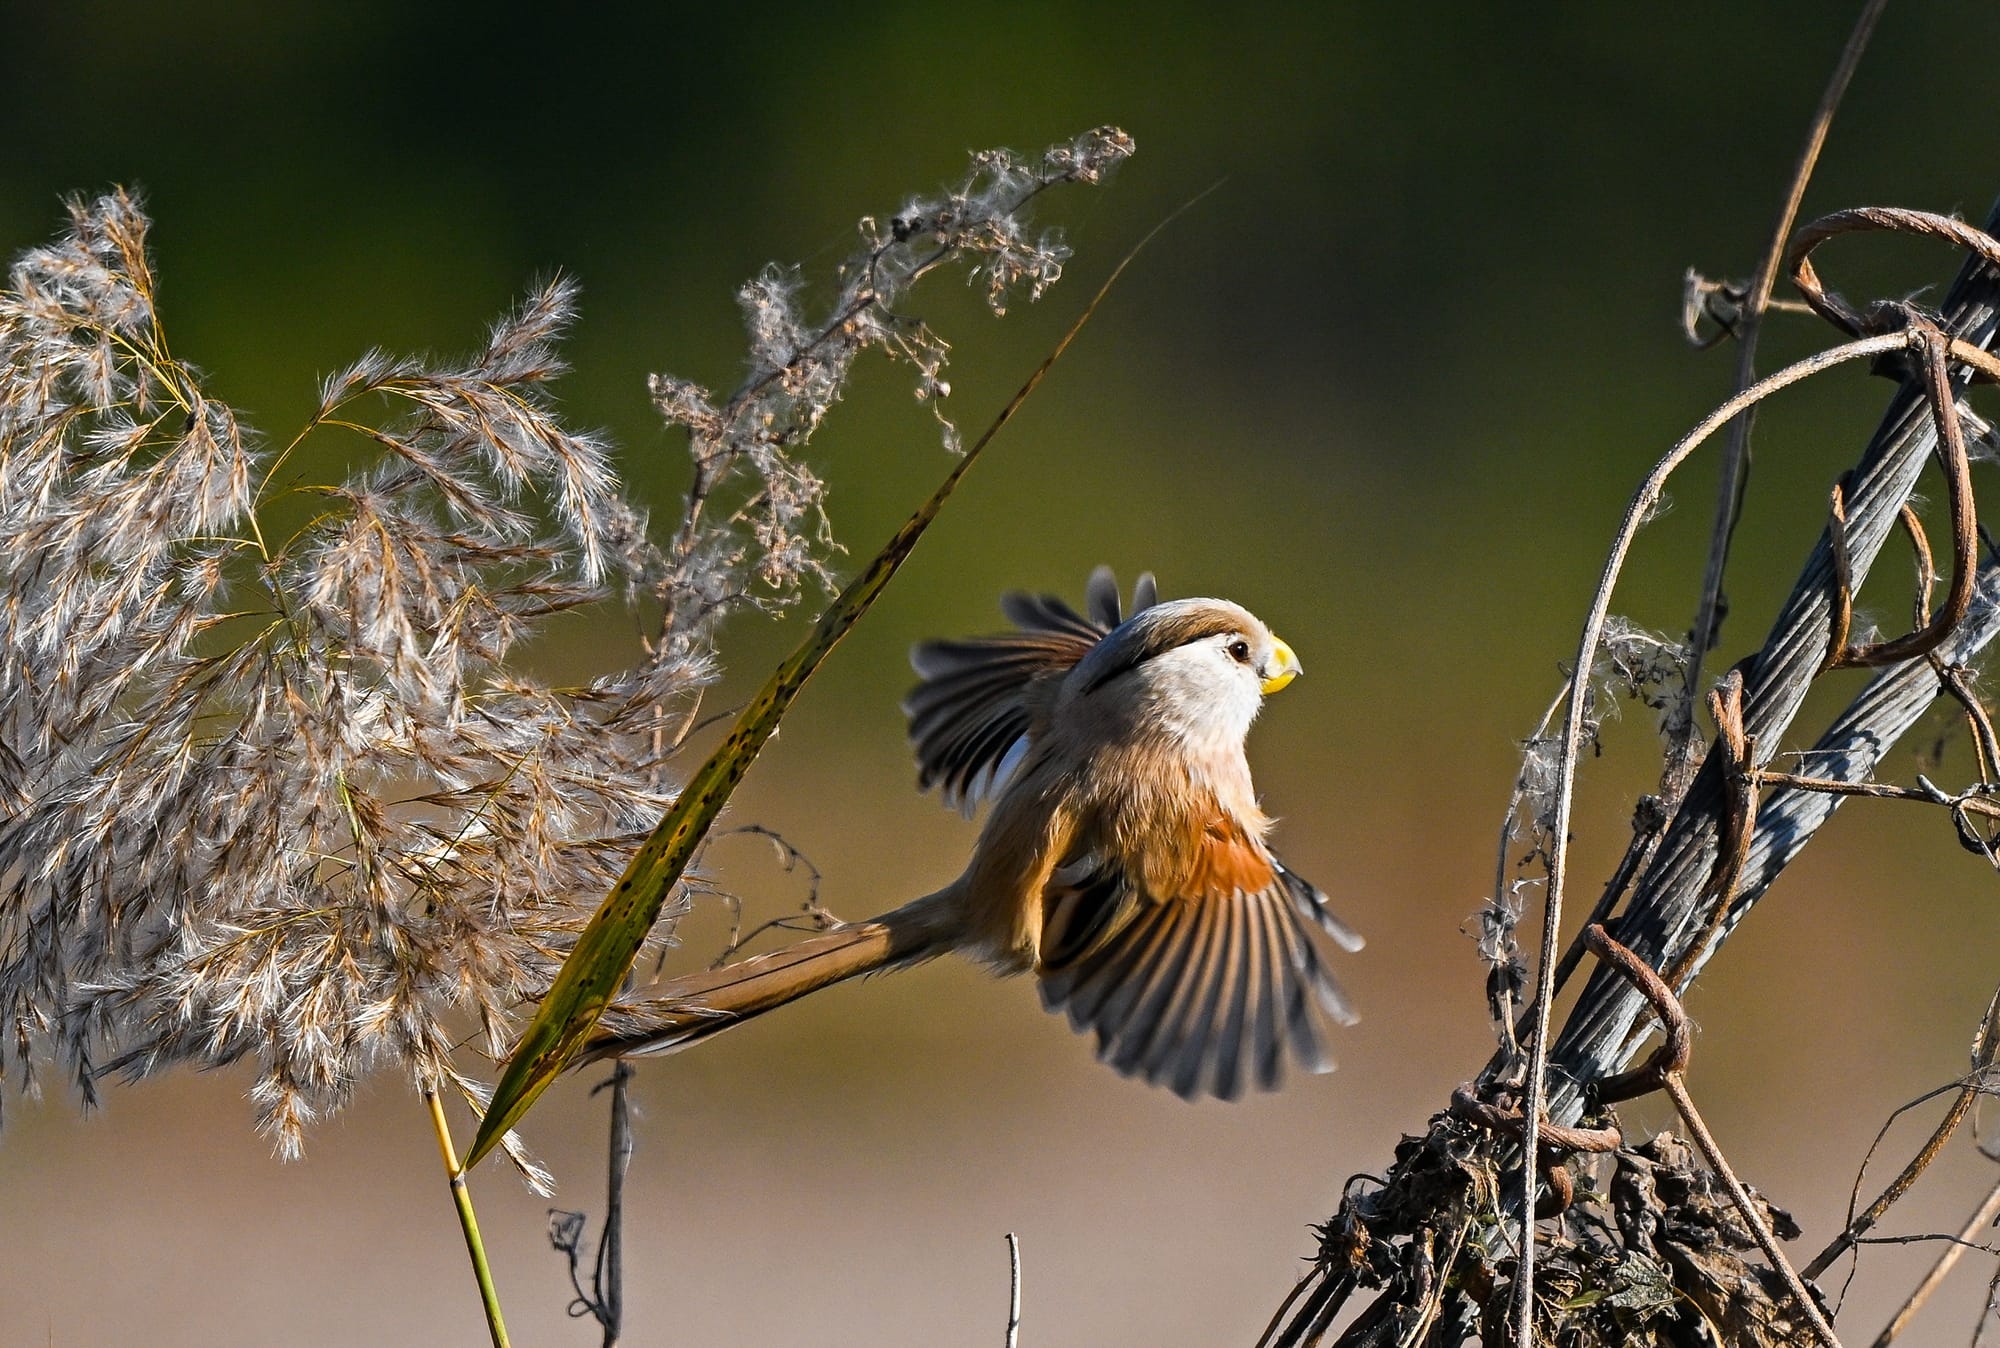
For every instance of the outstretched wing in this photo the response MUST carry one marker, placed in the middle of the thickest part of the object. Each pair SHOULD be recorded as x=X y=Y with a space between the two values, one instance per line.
x=1199 y=992
x=969 y=715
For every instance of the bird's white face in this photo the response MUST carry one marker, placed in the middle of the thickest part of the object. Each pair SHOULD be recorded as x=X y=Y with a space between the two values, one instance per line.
x=1194 y=670
x=1210 y=689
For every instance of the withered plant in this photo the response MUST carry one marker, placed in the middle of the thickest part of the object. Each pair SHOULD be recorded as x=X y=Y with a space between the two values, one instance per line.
x=1523 y=1214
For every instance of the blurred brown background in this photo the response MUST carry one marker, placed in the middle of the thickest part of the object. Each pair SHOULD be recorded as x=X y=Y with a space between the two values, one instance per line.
x=1388 y=387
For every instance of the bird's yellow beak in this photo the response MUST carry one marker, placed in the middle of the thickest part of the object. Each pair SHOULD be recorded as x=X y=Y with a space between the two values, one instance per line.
x=1283 y=668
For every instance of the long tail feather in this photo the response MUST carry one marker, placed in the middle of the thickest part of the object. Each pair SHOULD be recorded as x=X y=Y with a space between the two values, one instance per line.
x=698 y=1006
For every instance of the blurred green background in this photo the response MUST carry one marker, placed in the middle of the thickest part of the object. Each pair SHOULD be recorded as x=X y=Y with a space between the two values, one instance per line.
x=1389 y=387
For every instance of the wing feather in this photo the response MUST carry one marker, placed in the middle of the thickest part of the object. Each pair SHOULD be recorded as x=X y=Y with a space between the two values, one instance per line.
x=1140 y=993
x=1202 y=1023
x=1267 y=1048
x=1313 y=907
x=1124 y=961
x=1161 y=1037
x=1297 y=980
x=1232 y=1024
x=1198 y=992
x=970 y=711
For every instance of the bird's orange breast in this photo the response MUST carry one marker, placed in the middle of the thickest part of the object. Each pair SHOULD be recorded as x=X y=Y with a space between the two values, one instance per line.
x=1226 y=861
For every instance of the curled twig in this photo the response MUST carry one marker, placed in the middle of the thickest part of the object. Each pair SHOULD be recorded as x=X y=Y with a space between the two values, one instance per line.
x=810 y=916
x=603 y=1300
x=1667 y=1066
x=1931 y=346
x=1507 y=1120
x=1840 y=621
x=1555 y=1143
x=1739 y=817
x=1865 y=219
x=1672 y=1056
x=1649 y=821
x=1920 y=545
x=1985 y=744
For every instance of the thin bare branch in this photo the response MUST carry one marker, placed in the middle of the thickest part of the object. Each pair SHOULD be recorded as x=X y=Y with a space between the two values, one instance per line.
x=1014 y=1290
x=1982 y=1218
x=1985 y=1048
x=1703 y=633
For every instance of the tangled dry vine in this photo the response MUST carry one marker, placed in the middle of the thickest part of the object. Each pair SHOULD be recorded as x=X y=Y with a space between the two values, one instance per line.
x=1656 y=1253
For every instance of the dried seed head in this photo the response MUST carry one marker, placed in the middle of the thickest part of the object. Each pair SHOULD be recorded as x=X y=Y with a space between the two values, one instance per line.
x=288 y=797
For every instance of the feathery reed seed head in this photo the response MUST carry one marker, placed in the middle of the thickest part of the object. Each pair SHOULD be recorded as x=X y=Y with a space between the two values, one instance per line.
x=288 y=797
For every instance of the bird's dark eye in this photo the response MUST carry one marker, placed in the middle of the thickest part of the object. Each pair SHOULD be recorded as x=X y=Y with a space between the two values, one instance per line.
x=1239 y=651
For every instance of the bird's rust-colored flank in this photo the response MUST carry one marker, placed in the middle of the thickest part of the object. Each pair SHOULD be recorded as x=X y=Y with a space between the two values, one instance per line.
x=1227 y=862
x=1123 y=859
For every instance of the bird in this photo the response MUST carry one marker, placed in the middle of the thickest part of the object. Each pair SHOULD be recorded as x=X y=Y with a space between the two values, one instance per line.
x=1123 y=860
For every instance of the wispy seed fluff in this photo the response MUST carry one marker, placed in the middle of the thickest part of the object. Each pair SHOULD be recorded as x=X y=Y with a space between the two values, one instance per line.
x=273 y=787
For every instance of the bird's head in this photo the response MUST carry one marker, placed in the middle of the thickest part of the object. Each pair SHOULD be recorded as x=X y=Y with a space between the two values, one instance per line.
x=1198 y=668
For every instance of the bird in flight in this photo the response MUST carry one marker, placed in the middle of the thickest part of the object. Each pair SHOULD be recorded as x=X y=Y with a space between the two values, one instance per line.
x=1123 y=859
